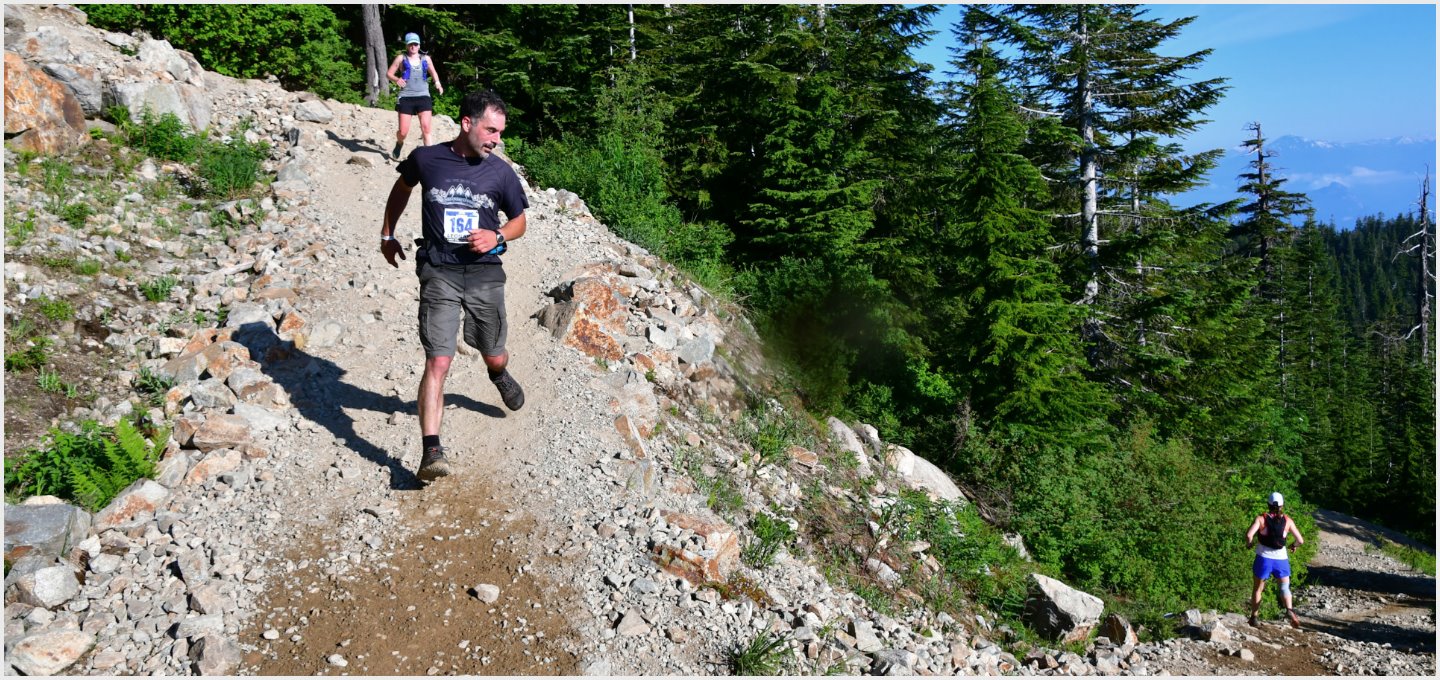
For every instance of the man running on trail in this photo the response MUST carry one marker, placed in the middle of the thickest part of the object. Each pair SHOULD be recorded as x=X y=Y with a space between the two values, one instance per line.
x=1271 y=558
x=465 y=187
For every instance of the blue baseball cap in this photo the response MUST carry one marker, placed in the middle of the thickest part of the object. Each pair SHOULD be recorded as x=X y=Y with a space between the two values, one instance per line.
x=411 y=38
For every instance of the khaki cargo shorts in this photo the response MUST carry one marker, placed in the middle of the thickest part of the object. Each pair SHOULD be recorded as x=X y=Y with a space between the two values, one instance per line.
x=448 y=290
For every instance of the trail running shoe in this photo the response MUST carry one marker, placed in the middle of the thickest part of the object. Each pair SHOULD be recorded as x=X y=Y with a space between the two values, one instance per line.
x=1294 y=620
x=395 y=152
x=433 y=464
x=510 y=391
x=1254 y=622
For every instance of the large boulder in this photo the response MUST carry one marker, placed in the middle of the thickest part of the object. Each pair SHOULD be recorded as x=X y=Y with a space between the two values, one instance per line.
x=41 y=114
x=83 y=81
x=1059 y=612
x=162 y=57
x=922 y=474
x=845 y=438
x=314 y=111
x=48 y=529
x=132 y=507
x=49 y=652
x=589 y=314
x=190 y=104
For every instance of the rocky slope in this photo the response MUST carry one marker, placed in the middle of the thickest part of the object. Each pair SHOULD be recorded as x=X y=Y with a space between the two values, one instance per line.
x=286 y=534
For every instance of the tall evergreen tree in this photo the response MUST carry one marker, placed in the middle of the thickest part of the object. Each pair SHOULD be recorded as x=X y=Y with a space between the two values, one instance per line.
x=1097 y=70
x=1268 y=219
x=1009 y=332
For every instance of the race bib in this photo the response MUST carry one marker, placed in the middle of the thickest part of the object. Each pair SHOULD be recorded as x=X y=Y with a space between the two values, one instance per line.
x=459 y=223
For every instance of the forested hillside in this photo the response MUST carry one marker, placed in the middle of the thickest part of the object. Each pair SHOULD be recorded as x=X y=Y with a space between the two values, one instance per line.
x=987 y=263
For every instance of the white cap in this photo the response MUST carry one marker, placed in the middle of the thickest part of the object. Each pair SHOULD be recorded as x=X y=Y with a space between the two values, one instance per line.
x=1277 y=499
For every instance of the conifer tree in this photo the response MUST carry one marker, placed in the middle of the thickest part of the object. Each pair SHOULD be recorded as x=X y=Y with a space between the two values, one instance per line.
x=1009 y=332
x=1098 y=72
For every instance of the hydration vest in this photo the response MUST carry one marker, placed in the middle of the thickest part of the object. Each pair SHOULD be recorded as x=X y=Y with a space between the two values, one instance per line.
x=424 y=68
x=1274 y=536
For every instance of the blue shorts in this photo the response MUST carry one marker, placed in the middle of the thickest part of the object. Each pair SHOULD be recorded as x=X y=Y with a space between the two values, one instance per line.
x=1265 y=568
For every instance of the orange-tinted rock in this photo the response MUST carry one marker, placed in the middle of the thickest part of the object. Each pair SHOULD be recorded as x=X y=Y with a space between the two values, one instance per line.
x=42 y=114
x=291 y=323
x=803 y=456
x=221 y=432
x=137 y=502
x=626 y=427
x=588 y=337
x=202 y=339
x=213 y=465
x=713 y=563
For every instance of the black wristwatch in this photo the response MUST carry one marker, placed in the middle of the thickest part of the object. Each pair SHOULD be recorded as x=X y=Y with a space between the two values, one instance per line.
x=499 y=237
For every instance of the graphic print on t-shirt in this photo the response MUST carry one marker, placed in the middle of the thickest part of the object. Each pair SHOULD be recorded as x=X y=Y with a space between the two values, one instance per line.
x=461 y=210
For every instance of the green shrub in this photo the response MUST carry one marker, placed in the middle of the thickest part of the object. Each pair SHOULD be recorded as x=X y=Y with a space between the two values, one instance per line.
x=765 y=655
x=33 y=356
x=75 y=214
x=87 y=267
x=975 y=556
x=18 y=230
x=55 y=182
x=23 y=159
x=232 y=168
x=769 y=535
x=55 y=310
x=153 y=386
x=49 y=381
x=620 y=172
x=88 y=468
x=1419 y=560
x=721 y=493
x=771 y=433
x=158 y=290
x=164 y=136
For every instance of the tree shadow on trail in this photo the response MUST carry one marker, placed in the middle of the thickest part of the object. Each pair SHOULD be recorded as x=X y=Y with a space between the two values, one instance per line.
x=318 y=390
x=1415 y=585
x=354 y=145
x=1409 y=640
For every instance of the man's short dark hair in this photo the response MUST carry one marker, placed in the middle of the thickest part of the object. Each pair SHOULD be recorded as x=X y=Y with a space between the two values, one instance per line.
x=475 y=103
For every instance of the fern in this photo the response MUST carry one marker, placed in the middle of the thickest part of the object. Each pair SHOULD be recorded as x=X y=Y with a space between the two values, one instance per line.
x=89 y=468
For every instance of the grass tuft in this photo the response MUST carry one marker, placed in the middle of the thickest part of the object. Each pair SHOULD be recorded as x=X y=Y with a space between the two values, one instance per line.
x=765 y=655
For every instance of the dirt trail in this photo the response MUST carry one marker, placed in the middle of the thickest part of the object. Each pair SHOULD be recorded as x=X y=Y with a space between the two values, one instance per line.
x=1381 y=591
x=411 y=610
x=1361 y=613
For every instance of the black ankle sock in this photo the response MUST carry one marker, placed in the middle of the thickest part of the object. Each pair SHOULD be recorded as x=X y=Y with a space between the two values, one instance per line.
x=429 y=440
x=495 y=375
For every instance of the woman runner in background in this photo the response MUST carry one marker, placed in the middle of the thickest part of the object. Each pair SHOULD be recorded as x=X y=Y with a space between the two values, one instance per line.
x=415 y=70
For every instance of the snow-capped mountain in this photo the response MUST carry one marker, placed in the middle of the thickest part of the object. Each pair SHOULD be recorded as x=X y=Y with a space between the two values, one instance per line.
x=1344 y=181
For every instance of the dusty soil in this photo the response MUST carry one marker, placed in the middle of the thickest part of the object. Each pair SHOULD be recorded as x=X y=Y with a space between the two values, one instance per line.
x=412 y=609
x=1356 y=599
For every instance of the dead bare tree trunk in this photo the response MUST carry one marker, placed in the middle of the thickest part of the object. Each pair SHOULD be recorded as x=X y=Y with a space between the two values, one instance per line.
x=374 y=54
x=630 y=12
x=1424 y=249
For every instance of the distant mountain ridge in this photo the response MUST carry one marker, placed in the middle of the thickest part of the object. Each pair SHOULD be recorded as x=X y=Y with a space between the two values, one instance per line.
x=1345 y=181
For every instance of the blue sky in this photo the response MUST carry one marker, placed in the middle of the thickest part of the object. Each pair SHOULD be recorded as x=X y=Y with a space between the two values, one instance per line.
x=1338 y=73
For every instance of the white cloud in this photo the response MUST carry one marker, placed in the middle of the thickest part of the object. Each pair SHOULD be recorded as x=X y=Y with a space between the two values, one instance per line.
x=1357 y=176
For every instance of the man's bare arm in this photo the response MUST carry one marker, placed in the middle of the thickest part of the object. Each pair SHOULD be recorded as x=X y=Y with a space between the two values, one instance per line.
x=394 y=207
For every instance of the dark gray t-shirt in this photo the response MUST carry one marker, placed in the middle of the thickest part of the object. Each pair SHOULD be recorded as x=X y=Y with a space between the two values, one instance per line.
x=460 y=194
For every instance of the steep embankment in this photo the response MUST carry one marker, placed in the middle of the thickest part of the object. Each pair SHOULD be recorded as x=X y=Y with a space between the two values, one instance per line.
x=303 y=544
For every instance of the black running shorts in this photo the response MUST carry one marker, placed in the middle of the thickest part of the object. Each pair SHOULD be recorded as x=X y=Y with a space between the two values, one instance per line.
x=413 y=105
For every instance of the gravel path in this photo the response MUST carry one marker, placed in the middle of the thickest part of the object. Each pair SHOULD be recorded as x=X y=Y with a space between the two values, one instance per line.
x=308 y=547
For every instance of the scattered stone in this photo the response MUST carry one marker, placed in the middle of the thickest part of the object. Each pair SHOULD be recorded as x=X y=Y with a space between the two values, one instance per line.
x=486 y=593
x=49 y=652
